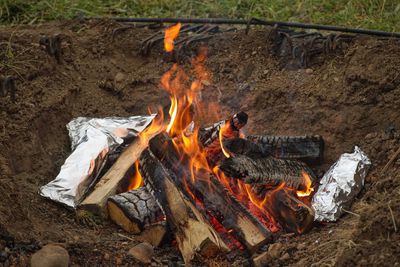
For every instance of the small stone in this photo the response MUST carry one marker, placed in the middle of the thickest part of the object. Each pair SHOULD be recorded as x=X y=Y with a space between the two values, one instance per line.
x=106 y=256
x=142 y=252
x=285 y=256
x=336 y=79
x=301 y=246
x=51 y=255
x=309 y=71
x=254 y=52
x=274 y=250
x=119 y=77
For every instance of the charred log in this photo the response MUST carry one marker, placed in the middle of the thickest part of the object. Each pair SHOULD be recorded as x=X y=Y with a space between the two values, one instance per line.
x=309 y=149
x=192 y=232
x=293 y=215
x=217 y=200
x=134 y=210
x=210 y=137
x=267 y=171
x=241 y=146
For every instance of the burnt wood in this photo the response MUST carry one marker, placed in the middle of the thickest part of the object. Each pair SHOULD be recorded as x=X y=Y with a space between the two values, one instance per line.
x=309 y=149
x=241 y=146
x=267 y=171
x=193 y=233
x=134 y=210
x=217 y=200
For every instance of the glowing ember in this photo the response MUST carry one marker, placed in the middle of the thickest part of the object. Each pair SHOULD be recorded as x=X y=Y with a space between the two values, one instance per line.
x=221 y=134
x=170 y=35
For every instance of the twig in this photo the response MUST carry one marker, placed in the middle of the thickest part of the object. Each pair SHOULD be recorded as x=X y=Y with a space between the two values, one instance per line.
x=393 y=158
x=393 y=220
x=353 y=213
x=127 y=237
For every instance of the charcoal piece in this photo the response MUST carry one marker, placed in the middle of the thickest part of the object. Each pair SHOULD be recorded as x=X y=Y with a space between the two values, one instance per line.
x=267 y=171
x=309 y=149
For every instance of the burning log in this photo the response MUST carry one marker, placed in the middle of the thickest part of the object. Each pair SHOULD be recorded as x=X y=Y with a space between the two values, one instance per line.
x=210 y=137
x=309 y=149
x=193 y=233
x=107 y=186
x=241 y=146
x=215 y=198
x=134 y=210
x=268 y=171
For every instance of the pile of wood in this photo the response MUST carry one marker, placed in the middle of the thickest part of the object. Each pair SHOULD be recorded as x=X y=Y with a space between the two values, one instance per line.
x=191 y=211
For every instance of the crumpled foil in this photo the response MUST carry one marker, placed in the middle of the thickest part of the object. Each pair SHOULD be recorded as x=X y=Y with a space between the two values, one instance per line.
x=92 y=140
x=340 y=185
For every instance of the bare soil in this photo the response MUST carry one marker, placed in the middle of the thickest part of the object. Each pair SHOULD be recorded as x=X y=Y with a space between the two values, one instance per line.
x=352 y=98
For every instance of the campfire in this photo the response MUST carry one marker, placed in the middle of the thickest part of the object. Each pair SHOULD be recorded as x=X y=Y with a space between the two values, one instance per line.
x=216 y=189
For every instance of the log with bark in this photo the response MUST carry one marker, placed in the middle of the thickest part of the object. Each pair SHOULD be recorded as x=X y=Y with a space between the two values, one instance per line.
x=134 y=210
x=216 y=199
x=96 y=202
x=267 y=171
x=309 y=149
x=193 y=233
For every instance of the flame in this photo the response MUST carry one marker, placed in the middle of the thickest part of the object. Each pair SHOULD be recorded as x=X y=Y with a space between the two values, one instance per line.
x=170 y=35
x=157 y=125
x=221 y=135
x=308 y=183
x=137 y=180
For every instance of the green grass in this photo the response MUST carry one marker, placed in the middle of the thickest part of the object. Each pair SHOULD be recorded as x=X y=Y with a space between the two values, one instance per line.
x=372 y=14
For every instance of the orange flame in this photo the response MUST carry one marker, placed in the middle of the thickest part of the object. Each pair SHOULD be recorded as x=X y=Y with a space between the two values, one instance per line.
x=221 y=135
x=170 y=35
x=137 y=180
x=309 y=189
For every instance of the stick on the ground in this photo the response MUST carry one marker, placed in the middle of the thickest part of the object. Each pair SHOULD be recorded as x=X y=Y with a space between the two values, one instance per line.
x=390 y=162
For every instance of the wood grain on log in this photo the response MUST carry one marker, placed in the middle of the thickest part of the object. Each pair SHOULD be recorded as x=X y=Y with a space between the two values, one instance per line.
x=215 y=197
x=134 y=210
x=108 y=184
x=267 y=171
x=192 y=232
x=309 y=149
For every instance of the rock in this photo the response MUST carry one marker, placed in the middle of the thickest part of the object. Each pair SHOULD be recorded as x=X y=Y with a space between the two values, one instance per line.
x=119 y=77
x=309 y=71
x=285 y=256
x=301 y=246
x=142 y=252
x=274 y=250
x=336 y=79
x=51 y=255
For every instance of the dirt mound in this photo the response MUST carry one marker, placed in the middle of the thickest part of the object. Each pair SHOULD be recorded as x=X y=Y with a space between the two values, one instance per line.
x=351 y=98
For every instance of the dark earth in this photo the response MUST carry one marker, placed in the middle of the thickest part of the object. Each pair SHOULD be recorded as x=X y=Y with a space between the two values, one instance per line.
x=351 y=98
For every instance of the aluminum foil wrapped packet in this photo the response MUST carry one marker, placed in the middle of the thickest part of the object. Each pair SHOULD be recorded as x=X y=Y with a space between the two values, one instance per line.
x=340 y=185
x=92 y=140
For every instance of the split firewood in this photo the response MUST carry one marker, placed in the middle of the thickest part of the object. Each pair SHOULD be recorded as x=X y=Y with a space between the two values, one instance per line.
x=134 y=210
x=309 y=149
x=192 y=232
x=217 y=200
x=267 y=171
x=96 y=202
